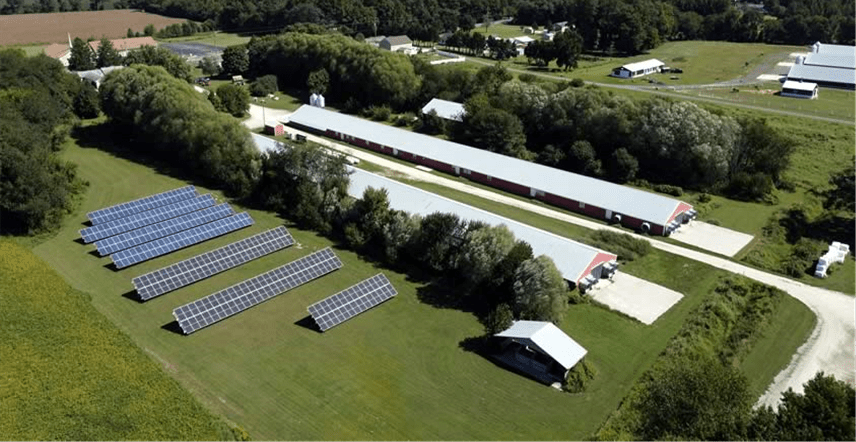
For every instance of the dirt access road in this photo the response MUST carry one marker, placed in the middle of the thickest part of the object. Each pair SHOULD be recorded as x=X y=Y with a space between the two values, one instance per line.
x=830 y=348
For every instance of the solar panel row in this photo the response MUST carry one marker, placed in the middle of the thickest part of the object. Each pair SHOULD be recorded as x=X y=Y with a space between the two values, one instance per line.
x=140 y=205
x=352 y=301
x=239 y=297
x=199 y=267
x=152 y=232
x=181 y=240
x=137 y=220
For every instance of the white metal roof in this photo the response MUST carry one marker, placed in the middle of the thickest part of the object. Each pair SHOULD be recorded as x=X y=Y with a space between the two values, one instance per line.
x=825 y=48
x=571 y=258
x=265 y=144
x=549 y=339
x=445 y=109
x=523 y=39
x=642 y=65
x=834 y=60
x=796 y=85
x=625 y=200
x=822 y=74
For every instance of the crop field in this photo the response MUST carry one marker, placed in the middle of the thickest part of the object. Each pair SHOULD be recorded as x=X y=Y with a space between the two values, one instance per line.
x=67 y=373
x=54 y=27
x=403 y=370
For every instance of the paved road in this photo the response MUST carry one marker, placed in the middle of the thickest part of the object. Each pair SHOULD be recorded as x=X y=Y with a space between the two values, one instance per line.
x=830 y=348
x=663 y=91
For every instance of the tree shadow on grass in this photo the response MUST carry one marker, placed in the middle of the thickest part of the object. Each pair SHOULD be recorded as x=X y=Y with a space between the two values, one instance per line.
x=109 y=138
x=308 y=323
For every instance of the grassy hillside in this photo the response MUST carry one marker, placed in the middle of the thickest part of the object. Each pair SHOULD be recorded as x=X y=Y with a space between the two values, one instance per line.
x=68 y=373
x=400 y=371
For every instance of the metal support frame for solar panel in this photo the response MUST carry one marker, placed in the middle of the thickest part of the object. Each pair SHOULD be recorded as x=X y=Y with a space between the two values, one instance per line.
x=352 y=301
x=202 y=266
x=180 y=240
x=162 y=229
x=239 y=297
x=149 y=217
x=140 y=205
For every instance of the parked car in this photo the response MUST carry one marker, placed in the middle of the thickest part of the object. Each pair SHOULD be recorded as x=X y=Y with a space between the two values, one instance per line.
x=203 y=81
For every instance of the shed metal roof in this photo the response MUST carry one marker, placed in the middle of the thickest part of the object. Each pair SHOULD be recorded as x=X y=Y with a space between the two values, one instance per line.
x=822 y=74
x=642 y=65
x=445 y=109
x=845 y=61
x=397 y=40
x=549 y=339
x=572 y=259
x=625 y=200
x=265 y=144
x=796 y=85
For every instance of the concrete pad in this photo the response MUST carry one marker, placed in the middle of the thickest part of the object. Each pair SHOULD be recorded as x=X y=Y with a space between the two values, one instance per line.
x=798 y=54
x=635 y=297
x=425 y=169
x=714 y=238
x=769 y=77
x=785 y=63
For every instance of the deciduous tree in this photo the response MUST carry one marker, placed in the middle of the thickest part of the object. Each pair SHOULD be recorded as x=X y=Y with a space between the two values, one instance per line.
x=540 y=292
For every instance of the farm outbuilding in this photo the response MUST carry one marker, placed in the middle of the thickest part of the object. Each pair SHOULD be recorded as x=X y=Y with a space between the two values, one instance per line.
x=274 y=128
x=580 y=264
x=448 y=110
x=634 y=208
x=397 y=43
x=827 y=65
x=539 y=349
x=633 y=70
x=798 y=89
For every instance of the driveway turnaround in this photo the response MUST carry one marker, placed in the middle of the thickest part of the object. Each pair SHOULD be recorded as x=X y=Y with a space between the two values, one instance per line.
x=258 y=115
x=830 y=348
x=716 y=239
x=635 y=297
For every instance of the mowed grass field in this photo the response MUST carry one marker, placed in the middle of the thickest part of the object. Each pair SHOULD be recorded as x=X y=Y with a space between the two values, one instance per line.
x=26 y=29
x=217 y=38
x=399 y=371
x=832 y=103
x=67 y=373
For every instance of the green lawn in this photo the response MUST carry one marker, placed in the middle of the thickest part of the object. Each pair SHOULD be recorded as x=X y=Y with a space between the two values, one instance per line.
x=703 y=62
x=503 y=31
x=30 y=50
x=833 y=103
x=217 y=38
x=396 y=372
x=69 y=374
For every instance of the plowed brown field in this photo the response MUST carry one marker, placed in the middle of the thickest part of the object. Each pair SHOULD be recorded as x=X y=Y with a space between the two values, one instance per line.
x=55 y=27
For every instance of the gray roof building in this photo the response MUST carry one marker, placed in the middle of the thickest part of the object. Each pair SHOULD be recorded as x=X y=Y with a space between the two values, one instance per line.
x=827 y=65
x=445 y=109
x=625 y=200
x=575 y=261
x=547 y=338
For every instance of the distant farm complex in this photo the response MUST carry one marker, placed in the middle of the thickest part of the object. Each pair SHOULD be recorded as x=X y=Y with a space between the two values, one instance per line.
x=630 y=207
x=827 y=65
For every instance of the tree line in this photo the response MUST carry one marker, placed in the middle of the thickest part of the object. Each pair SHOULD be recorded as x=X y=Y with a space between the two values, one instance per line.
x=38 y=103
x=83 y=58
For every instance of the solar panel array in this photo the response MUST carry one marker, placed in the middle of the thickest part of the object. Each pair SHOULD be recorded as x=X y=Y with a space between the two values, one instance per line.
x=140 y=205
x=152 y=232
x=352 y=301
x=239 y=297
x=180 y=240
x=199 y=267
x=137 y=220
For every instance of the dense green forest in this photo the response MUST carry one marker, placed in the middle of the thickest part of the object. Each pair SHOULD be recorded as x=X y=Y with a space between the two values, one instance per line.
x=38 y=101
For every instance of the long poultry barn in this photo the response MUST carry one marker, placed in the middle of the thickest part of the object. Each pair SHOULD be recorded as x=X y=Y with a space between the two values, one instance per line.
x=634 y=208
x=579 y=264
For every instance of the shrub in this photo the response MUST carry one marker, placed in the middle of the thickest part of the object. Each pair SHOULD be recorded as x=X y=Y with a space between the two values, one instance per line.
x=379 y=113
x=669 y=189
x=703 y=198
x=579 y=377
x=577 y=82
x=500 y=319
x=527 y=78
x=627 y=247
x=263 y=86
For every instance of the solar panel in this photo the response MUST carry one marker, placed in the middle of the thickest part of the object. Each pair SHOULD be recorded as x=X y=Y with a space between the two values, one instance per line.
x=237 y=298
x=137 y=220
x=152 y=232
x=352 y=301
x=210 y=263
x=169 y=244
x=140 y=205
